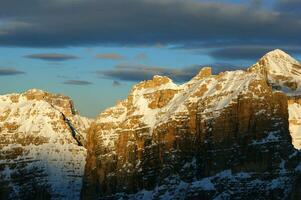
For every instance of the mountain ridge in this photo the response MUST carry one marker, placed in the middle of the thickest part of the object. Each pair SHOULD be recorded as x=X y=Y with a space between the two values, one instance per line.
x=167 y=133
x=224 y=136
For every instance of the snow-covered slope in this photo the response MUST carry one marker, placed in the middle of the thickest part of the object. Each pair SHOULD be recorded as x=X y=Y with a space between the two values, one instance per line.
x=39 y=147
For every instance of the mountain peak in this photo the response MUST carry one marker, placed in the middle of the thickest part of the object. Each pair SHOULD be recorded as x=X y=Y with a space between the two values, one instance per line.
x=279 y=54
x=276 y=52
x=34 y=90
x=203 y=73
x=158 y=82
x=280 y=69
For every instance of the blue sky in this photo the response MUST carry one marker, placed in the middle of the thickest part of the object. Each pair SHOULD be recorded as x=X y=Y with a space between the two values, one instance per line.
x=92 y=98
x=94 y=51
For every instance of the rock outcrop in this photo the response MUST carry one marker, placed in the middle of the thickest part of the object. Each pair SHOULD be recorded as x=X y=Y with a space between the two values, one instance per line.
x=40 y=156
x=217 y=136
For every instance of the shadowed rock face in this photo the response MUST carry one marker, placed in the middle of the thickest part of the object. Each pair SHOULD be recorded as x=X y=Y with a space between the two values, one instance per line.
x=221 y=136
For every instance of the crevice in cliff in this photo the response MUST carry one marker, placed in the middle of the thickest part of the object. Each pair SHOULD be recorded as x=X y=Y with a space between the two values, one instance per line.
x=73 y=130
x=77 y=137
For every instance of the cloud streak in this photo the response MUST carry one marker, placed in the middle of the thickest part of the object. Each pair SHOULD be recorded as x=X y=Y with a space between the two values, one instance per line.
x=10 y=72
x=110 y=56
x=77 y=82
x=52 y=57
x=116 y=83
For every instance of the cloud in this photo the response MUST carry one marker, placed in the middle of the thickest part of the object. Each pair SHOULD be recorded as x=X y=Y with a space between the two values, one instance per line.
x=116 y=83
x=110 y=56
x=10 y=72
x=38 y=23
x=124 y=72
x=141 y=56
x=289 y=6
x=77 y=82
x=255 y=4
x=51 y=57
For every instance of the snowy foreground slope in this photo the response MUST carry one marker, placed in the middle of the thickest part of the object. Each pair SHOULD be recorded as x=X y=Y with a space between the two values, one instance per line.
x=39 y=157
x=222 y=136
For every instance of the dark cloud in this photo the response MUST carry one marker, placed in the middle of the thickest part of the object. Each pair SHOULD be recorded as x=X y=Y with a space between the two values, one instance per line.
x=289 y=6
x=10 y=72
x=77 y=82
x=116 y=83
x=110 y=56
x=70 y=77
x=51 y=56
x=255 y=4
x=39 y=23
x=140 y=72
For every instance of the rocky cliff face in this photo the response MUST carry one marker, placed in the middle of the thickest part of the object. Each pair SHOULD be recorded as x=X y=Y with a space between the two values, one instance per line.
x=40 y=146
x=222 y=136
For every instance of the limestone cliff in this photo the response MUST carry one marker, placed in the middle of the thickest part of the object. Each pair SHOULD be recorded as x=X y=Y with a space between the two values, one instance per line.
x=217 y=136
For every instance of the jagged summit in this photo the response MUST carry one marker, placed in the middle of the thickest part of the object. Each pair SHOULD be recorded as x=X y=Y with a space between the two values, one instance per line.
x=278 y=53
x=157 y=82
x=280 y=69
x=203 y=73
x=276 y=61
x=34 y=90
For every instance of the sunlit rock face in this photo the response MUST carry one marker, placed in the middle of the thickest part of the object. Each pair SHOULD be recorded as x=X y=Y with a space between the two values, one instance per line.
x=217 y=136
x=294 y=107
x=283 y=73
x=40 y=152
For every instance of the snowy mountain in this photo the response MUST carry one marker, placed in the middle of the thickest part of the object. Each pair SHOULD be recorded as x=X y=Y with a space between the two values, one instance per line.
x=222 y=136
x=233 y=135
x=38 y=153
